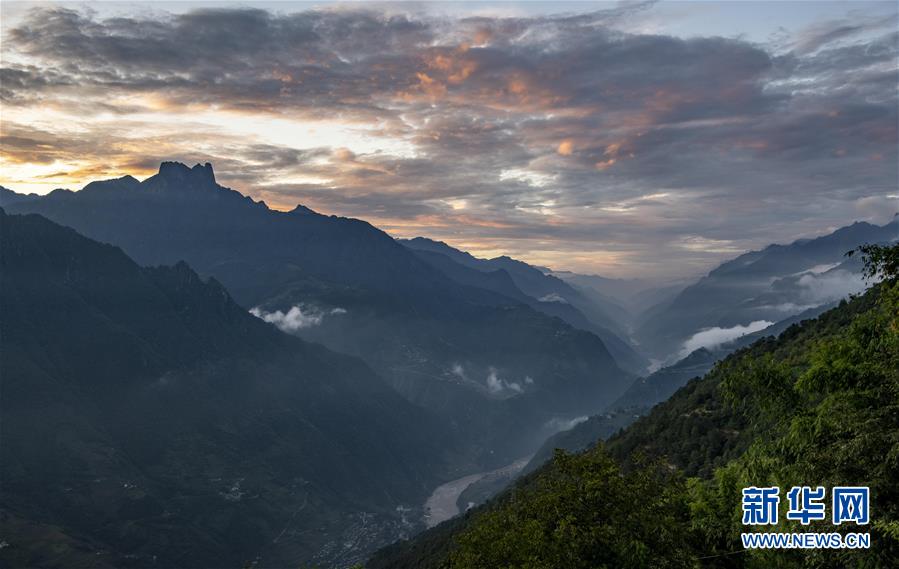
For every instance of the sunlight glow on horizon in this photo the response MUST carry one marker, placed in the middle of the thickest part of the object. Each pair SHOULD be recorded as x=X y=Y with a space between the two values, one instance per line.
x=627 y=138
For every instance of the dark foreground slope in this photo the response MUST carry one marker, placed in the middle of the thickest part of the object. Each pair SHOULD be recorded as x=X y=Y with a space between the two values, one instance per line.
x=148 y=420
x=494 y=369
x=817 y=406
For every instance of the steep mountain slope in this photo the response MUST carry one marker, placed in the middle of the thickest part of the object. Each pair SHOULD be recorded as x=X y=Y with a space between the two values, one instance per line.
x=768 y=285
x=148 y=420
x=584 y=435
x=493 y=368
x=815 y=406
x=661 y=384
x=543 y=292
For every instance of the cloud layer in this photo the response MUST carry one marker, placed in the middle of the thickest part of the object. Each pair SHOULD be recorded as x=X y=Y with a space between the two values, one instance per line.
x=830 y=286
x=713 y=337
x=564 y=140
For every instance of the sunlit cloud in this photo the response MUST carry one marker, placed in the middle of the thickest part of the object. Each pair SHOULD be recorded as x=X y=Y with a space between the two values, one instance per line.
x=590 y=141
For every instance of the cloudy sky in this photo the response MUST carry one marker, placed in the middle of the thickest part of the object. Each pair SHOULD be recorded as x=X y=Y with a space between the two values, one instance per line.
x=627 y=139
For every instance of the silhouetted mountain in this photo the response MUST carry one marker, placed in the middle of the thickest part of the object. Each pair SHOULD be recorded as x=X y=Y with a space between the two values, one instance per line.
x=148 y=420
x=543 y=292
x=531 y=280
x=493 y=368
x=498 y=281
x=9 y=197
x=768 y=285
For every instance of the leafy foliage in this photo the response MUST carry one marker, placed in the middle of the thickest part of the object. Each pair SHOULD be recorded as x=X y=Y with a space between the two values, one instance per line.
x=580 y=514
x=880 y=260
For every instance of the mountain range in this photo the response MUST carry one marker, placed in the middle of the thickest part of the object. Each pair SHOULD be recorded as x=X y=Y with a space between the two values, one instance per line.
x=226 y=383
x=544 y=292
x=148 y=420
x=759 y=288
x=491 y=367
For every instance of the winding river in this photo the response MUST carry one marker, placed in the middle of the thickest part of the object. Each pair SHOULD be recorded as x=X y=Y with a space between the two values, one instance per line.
x=441 y=505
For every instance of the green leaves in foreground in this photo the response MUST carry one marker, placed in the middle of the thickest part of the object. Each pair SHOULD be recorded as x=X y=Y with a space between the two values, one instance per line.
x=584 y=513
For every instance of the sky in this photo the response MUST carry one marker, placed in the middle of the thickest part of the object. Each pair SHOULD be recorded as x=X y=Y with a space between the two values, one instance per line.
x=636 y=139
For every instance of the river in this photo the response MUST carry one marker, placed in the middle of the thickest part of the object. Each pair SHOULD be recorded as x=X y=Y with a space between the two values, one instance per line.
x=441 y=505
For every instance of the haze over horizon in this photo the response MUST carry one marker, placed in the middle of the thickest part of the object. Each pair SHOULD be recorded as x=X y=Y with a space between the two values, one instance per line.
x=620 y=139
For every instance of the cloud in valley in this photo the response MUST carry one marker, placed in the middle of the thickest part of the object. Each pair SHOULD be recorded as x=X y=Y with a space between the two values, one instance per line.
x=553 y=297
x=296 y=318
x=497 y=385
x=556 y=424
x=830 y=286
x=713 y=337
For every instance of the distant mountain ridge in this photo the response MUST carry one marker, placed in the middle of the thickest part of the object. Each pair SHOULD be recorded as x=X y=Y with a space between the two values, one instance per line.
x=9 y=197
x=767 y=285
x=494 y=369
x=553 y=296
x=663 y=383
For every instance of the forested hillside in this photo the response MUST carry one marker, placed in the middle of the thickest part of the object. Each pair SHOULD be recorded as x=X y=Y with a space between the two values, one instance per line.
x=817 y=406
x=150 y=421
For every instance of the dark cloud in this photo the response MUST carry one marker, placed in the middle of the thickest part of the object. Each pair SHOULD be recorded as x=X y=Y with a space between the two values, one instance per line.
x=537 y=136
